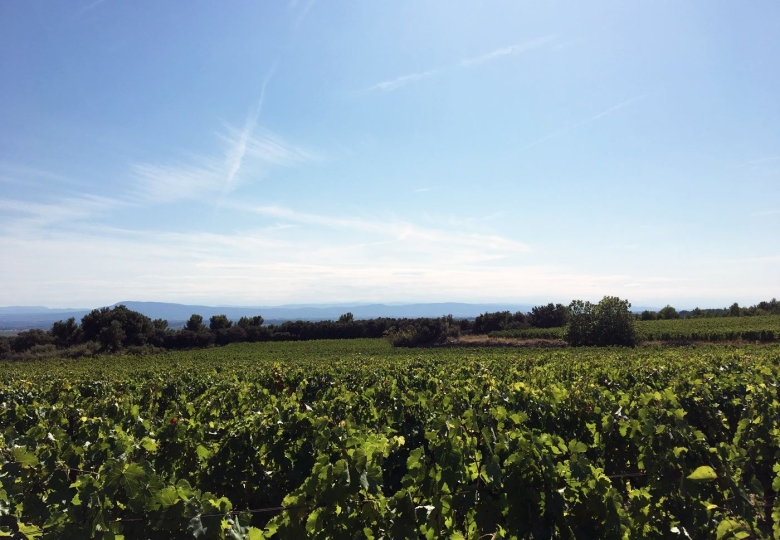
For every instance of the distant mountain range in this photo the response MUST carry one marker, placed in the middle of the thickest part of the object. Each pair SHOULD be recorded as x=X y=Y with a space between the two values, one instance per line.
x=23 y=317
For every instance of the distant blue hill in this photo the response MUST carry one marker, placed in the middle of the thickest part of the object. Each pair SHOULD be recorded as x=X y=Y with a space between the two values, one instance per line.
x=22 y=320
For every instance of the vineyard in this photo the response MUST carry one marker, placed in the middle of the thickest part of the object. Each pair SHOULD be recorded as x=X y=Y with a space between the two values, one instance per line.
x=763 y=329
x=356 y=439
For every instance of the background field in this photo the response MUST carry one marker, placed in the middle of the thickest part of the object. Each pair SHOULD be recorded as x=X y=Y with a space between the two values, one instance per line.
x=763 y=328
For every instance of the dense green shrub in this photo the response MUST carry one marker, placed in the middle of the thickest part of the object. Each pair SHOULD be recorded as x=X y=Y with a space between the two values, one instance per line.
x=28 y=339
x=499 y=320
x=423 y=332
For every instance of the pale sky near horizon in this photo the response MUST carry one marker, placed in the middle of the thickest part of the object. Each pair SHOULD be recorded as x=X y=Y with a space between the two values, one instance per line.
x=261 y=153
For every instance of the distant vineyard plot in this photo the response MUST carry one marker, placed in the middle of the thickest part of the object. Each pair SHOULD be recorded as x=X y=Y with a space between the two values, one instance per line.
x=763 y=329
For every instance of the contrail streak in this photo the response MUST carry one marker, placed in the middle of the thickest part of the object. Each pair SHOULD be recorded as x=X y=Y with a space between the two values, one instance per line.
x=236 y=156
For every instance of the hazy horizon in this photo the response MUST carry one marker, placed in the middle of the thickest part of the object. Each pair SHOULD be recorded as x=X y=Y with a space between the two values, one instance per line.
x=304 y=152
x=529 y=303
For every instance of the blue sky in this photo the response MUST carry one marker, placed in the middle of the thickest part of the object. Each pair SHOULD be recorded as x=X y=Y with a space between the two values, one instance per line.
x=262 y=153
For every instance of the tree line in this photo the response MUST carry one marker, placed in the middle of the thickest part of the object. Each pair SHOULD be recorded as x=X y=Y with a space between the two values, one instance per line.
x=110 y=330
x=772 y=307
x=118 y=329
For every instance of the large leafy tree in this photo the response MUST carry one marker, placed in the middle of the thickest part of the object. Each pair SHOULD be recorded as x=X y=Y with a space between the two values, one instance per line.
x=491 y=322
x=195 y=323
x=246 y=322
x=136 y=328
x=219 y=322
x=549 y=316
x=610 y=322
x=66 y=333
x=668 y=312
x=112 y=337
x=648 y=315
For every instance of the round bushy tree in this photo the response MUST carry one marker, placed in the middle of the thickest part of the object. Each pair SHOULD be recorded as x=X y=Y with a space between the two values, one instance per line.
x=580 y=329
x=219 y=322
x=549 y=316
x=648 y=315
x=195 y=323
x=668 y=312
x=610 y=322
x=133 y=328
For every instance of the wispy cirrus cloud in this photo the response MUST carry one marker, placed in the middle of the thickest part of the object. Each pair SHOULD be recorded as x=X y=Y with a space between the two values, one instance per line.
x=767 y=259
x=9 y=168
x=264 y=267
x=235 y=154
x=760 y=165
x=303 y=11
x=169 y=182
x=270 y=149
x=589 y=120
x=33 y=215
x=15 y=173
x=288 y=260
x=763 y=213
x=407 y=237
x=11 y=180
x=400 y=81
x=610 y=110
x=564 y=45
x=519 y=48
x=454 y=220
x=90 y=6
x=247 y=155
x=759 y=161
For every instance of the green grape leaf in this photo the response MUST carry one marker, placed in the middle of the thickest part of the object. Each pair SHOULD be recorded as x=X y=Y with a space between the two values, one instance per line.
x=255 y=534
x=704 y=473
x=203 y=452
x=30 y=531
x=26 y=459
x=168 y=496
x=729 y=528
x=149 y=444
